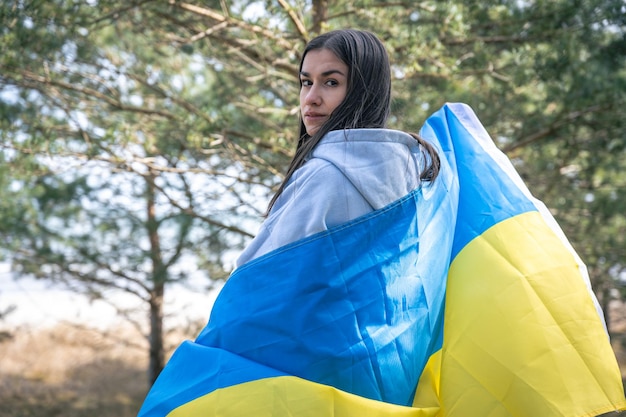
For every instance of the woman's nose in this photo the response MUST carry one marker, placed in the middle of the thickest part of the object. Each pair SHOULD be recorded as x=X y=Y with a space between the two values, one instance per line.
x=313 y=96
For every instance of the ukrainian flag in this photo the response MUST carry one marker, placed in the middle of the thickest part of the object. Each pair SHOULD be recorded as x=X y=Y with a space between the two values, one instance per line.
x=463 y=298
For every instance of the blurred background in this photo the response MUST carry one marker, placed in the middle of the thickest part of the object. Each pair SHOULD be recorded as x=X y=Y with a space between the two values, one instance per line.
x=142 y=139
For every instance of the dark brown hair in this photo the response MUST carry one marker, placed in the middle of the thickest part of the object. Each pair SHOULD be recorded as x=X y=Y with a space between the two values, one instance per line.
x=368 y=98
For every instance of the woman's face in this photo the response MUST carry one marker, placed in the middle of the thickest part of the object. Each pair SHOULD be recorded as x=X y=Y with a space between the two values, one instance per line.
x=324 y=85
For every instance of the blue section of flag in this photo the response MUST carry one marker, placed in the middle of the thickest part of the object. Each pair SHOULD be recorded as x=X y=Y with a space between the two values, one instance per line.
x=487 y=194
x=345 y=307
x=195 y=370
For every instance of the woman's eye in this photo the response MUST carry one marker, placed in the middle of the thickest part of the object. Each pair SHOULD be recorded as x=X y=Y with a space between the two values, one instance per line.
x=332 y=83
x=305 y=83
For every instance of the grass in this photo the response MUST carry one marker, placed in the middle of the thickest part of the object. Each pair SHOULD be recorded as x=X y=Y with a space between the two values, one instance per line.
x=70 y=372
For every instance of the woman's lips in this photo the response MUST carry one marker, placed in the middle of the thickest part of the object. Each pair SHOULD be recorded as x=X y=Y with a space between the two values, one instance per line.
x=314 y=116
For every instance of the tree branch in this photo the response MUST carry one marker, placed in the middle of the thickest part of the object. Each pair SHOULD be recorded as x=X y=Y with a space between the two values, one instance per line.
x=485 y=39
x=31 y=80
x=190 y=212
x=295 y=19
x=113 y=15
x=568 y=118
x=203 y=11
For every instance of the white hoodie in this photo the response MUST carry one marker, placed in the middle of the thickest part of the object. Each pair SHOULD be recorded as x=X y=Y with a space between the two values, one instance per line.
x=349 y=173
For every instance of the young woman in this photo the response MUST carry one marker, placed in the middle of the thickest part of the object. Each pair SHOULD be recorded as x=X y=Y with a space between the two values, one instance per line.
x=329 y=293
x=346 y=163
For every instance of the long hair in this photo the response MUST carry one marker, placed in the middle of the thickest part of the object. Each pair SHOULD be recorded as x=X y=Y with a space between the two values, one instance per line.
x=368 y=98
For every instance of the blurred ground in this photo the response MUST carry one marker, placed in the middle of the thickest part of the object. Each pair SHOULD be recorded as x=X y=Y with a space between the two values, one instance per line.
x=70 y=372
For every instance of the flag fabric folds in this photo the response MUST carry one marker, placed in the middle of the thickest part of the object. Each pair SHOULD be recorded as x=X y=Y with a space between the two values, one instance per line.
x=462 y=298
x=523 y=334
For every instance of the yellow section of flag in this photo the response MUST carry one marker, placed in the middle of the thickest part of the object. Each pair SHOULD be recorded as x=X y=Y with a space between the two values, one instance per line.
x=290 y=396
x=521 y=334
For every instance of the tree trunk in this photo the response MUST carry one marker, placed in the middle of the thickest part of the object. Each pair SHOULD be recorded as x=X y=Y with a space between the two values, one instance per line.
x=157 y=355
x=601 y=283
x=159 y=278
x=320 y=15
x=605 y=303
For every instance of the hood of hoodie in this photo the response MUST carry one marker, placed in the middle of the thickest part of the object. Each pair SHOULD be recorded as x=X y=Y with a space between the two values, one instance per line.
x=382 y=164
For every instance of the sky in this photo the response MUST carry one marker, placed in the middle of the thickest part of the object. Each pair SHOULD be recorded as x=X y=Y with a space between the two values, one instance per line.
x=38 y=304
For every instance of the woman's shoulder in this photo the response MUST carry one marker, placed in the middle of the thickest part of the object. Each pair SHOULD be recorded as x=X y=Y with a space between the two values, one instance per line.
x=316 y=176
